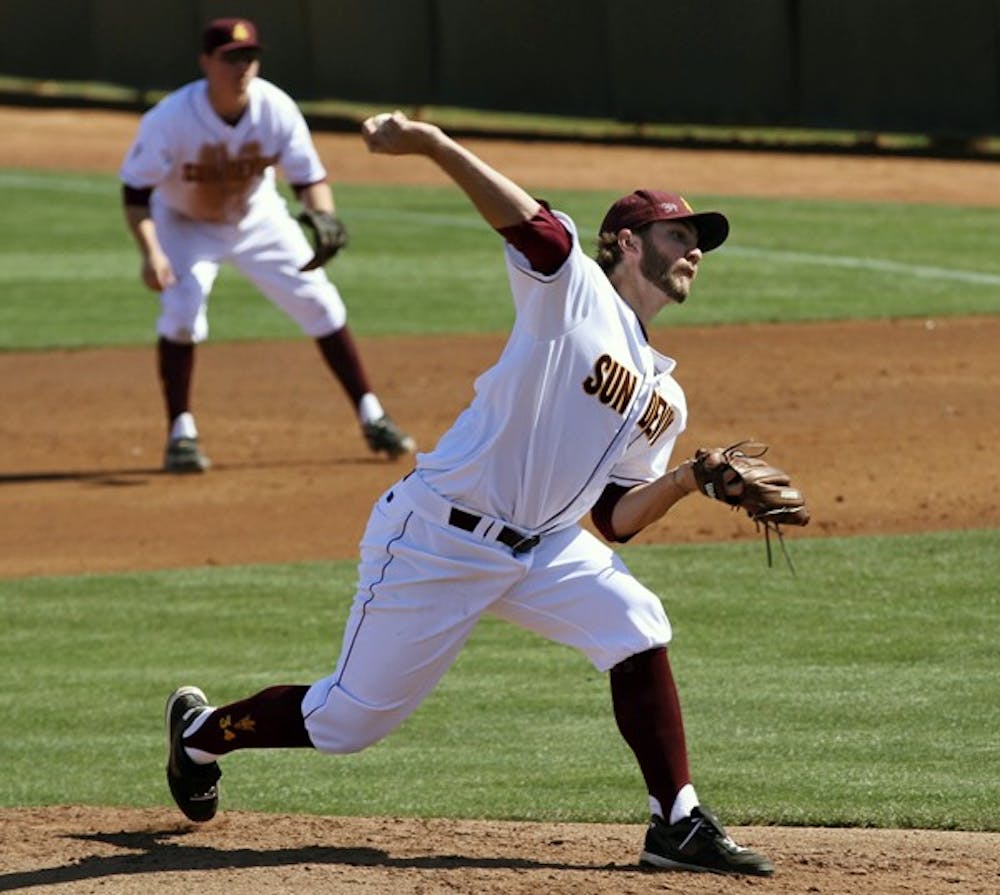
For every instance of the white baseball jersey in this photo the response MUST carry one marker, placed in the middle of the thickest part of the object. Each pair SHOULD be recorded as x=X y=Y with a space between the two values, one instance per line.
x=207 y=170
x=215 y=201
x=608 y=408
x=605 y=408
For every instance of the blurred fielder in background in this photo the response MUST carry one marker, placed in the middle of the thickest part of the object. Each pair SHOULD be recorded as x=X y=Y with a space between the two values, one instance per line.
x=199 y=191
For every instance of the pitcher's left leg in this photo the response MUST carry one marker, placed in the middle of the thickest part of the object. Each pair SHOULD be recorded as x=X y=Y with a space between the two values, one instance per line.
x=581 y=593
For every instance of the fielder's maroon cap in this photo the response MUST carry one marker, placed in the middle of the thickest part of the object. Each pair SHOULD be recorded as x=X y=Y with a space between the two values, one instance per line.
x=645 y=206
x=229 y=34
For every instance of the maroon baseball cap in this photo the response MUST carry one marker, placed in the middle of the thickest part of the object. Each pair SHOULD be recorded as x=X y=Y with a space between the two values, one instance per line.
x=646 y=206
x=229 y=34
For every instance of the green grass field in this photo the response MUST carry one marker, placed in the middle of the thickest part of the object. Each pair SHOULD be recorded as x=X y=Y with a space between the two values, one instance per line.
x=69 y=271
x=861 y=692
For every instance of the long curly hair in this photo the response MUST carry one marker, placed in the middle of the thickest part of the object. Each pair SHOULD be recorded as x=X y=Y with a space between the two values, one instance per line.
x=609 y=253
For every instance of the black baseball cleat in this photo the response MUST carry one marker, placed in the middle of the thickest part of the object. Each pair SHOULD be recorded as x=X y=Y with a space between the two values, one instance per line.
x=184 y=455
x=193 y=786
x=699 y=843
x=385 y=437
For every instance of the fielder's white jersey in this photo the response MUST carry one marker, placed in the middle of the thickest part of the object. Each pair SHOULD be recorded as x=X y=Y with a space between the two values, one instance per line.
x=607 y=407
x=205 y=169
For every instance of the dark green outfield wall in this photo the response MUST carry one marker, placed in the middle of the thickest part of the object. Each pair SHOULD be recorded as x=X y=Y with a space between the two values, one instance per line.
x=880 y=65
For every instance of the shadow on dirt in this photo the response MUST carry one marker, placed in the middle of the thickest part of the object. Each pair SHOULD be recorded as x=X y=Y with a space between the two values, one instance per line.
x=138 y=476
x=120 y=477
x=154 y=851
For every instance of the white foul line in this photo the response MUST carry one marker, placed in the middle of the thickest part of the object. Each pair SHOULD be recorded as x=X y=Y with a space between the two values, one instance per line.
x=919 y=271
x=435 y=219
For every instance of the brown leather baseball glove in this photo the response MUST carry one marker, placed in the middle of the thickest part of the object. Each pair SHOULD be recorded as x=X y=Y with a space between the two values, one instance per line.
x=739 y=477
x=327 y=234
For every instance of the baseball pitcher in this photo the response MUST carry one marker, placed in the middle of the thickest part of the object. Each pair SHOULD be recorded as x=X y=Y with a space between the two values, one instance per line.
x=579 y=415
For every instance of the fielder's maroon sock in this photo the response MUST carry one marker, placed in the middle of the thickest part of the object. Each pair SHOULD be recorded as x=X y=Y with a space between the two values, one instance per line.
x=648 y=712
x=343 y=358
x=176 y=363
x=271 y=719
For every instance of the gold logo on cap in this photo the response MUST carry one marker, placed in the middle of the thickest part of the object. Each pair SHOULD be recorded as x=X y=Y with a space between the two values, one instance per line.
x=240 y=32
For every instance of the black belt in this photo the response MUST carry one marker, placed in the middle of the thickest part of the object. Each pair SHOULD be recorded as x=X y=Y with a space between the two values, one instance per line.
x=509 y=537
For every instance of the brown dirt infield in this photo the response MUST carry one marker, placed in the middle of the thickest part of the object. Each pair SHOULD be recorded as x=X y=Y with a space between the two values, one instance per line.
x=888 y=426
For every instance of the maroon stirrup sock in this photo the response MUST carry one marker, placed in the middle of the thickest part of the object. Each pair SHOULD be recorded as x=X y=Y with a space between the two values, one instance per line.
x=271 y=719
x=176 y=367
x=341 y=354
x=648 y=713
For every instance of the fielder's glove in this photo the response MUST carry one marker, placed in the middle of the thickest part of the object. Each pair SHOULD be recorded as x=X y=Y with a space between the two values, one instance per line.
x=327 y=234
x=739 y=477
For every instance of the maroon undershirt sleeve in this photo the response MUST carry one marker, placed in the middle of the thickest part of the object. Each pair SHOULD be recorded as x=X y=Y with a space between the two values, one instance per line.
x=297 y=188
x=600 y=513
x=136 y=196
x=543 y=240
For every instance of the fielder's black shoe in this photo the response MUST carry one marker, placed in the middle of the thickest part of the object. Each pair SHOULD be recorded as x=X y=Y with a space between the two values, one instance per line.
x=184 y=455
x=385 y=437
x=699 y=843
x=193 y=786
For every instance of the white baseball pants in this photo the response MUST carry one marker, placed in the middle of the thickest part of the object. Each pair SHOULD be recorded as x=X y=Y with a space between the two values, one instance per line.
x=424 y=583
x=268 y=249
